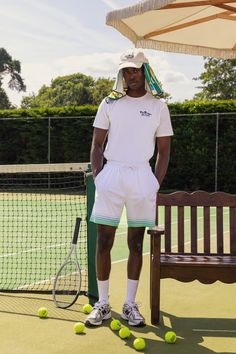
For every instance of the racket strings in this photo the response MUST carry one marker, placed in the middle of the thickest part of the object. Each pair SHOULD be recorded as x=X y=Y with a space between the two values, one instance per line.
x=67 y=285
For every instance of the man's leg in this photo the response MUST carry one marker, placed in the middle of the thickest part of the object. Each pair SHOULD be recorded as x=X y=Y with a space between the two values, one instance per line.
x=105 y=240
x=135 y=244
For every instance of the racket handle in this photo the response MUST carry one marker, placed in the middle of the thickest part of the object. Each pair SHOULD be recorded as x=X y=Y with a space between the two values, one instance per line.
x=76 y=231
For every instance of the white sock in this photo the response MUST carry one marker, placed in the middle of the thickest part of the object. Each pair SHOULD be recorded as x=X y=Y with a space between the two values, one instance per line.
x=132 y=286
x=103 y=287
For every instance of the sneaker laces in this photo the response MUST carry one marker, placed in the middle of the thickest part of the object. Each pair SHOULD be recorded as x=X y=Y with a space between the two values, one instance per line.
x=100 y=304
x=135 y=310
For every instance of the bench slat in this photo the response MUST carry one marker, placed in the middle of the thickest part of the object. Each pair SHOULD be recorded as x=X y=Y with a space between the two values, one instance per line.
x=180 y=229
x=219 y=230
x=232 y=216
x=168 y=229
x=206 y=215
x=193 y=229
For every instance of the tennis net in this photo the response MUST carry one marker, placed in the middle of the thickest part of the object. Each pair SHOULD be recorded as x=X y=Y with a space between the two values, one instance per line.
x=38 y=209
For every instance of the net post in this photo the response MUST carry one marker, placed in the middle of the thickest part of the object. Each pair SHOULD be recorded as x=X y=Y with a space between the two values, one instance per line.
x=91 y=241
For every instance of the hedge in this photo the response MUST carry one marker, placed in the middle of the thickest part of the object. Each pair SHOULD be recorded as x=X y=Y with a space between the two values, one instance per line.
x=188 y=107
x=24 y=138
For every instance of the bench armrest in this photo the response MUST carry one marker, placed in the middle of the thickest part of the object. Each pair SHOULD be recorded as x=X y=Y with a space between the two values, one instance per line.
x=156 y=231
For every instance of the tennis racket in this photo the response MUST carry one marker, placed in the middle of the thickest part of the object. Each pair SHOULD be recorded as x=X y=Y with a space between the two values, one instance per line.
x=67 y=283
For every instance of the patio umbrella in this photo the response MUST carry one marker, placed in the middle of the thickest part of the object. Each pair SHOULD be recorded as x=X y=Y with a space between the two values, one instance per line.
x=203 y=27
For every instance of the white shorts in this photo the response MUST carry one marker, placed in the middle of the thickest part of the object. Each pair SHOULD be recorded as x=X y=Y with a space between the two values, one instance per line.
x=119 y=185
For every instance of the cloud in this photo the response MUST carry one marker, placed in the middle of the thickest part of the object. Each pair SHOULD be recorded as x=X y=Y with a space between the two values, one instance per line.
x=175 y=77
x=97 y=64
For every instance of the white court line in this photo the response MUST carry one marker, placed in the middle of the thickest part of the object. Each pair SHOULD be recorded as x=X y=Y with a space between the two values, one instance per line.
x=38 y=249
x=31 y=250
x=41 y=282
x=35 y=283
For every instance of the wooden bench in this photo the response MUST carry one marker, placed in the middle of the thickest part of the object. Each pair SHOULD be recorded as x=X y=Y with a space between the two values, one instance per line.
x=202 y=255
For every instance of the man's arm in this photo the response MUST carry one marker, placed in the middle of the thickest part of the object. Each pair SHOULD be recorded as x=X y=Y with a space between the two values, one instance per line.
x=163 y=156
x=96 y=152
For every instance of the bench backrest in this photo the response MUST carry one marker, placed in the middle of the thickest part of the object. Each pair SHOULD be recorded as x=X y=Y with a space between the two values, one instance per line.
x=192 y=201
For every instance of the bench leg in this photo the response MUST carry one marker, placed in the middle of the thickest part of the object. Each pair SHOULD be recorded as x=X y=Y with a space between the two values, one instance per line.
x=155 y=273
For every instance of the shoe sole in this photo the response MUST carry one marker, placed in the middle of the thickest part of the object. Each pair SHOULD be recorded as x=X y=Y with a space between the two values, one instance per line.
x=93 y=324
x=140 y=324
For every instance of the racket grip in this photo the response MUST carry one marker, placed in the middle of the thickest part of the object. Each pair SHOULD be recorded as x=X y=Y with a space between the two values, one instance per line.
x=76 y=231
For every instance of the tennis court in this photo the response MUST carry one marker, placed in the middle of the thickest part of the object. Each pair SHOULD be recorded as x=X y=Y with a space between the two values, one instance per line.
x=34 y=243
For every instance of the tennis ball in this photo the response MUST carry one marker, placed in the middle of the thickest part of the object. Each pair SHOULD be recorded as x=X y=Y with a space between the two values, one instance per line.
x=79 y=327
x=124 y=332
x=115 y=325
x=139 y=344
x=170 y=337
x=42 y=312
x=87 y=308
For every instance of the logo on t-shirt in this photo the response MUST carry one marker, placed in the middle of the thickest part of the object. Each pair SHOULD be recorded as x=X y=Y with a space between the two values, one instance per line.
x=145 y=114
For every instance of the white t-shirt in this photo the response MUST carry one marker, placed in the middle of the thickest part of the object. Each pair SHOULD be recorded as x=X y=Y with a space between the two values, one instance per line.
x=133 y=123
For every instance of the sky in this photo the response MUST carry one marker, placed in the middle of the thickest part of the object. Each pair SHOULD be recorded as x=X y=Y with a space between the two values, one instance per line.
x=53 y=38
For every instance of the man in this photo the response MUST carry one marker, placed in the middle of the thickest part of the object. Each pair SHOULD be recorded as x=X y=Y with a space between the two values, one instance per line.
x=133 y=121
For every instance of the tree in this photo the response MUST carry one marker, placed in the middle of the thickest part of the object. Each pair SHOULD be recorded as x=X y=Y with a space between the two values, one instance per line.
x=102 y=88
x=71 y=90
x=9 y=68
x=218 y=79
x=4 y=101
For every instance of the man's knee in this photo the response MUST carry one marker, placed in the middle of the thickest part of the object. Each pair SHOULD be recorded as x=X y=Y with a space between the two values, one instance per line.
x=105 y=238
x=136 y=247
x=135 y=240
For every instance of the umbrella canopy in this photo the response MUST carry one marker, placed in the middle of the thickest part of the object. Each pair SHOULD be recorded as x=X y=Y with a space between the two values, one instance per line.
x=203 y=27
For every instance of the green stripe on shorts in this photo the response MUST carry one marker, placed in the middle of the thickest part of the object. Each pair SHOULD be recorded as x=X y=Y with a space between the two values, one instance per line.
x=104 y=221
x=140 y=223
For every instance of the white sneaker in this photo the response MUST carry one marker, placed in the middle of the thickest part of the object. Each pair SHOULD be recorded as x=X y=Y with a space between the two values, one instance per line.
x=101 y=311
x=130 y=313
